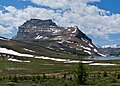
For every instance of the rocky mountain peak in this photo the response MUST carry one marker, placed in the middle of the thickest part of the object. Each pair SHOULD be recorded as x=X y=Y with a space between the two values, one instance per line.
x=42 y=30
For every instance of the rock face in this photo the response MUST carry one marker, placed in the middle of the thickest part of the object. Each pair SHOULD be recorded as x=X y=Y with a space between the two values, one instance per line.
x=72 y=37
x=35 y=29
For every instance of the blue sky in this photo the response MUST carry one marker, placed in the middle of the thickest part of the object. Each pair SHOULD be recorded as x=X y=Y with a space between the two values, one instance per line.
x=112 y=5
x=99 y=19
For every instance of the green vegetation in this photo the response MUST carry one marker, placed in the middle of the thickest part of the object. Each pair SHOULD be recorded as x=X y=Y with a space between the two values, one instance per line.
x=45 y=72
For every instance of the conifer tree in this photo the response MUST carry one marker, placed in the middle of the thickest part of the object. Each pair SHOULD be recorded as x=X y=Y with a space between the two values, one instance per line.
x=80 y=74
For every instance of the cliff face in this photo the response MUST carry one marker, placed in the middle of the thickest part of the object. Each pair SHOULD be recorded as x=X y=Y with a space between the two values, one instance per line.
x=41 y=30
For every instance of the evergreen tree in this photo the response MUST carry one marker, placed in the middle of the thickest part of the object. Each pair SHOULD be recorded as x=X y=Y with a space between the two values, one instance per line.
x=118 y=76
x=105 y=74
x=33 y=78
x=15 y=79
x=64 y=76
x=38 y=77
x=44 y=76
x=80 y=74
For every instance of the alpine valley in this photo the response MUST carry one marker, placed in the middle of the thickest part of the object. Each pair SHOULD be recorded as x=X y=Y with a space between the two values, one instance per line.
x=45 y=54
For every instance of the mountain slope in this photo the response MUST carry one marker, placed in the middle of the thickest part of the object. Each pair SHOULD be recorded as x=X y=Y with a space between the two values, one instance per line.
x=15 y=49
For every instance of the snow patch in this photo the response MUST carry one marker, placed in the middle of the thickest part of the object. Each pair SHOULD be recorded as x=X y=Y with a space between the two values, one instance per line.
x=58 y=38
x=90 y=45
x=56 y=31
x=28 y=50
x=87 y=52
x=84 y=40
x=45 y=38
x=60 y=42
x=50 y=48
x=95 y=50
x=101 y=54
x=74 y=31
x=62 y=60
x=78 y=49
x=103 y=64
x=69 y=29
x=16 y=60
x=72 y=35
x=87 y=48
x=39 y=37
x=75 y=61
x=8 y=51
x=62 y=49
x=69 y=42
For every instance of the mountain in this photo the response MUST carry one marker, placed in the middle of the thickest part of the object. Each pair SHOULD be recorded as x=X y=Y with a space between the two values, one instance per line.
x=46 y=33
x=111 y=46
x=111 y=49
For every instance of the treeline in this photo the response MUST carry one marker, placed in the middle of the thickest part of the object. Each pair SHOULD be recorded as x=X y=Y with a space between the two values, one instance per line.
x=19 y=78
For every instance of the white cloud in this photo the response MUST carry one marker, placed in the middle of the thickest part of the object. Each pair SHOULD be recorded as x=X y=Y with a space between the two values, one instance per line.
x=60 y=3
x=89 y=18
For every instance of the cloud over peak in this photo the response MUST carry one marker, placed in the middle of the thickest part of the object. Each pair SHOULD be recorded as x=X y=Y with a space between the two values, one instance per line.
x=90 y=19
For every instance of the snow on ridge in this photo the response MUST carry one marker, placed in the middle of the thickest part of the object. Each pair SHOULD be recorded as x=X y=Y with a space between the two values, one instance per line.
x=56 y=31
x=8 y=51
x=39 y=37
x=87 y=48
x=84 y=40
x=101 y=54
x=74 y=31
x=90 y=45
x=87 y=52
x=16 y=60
x=95 y=50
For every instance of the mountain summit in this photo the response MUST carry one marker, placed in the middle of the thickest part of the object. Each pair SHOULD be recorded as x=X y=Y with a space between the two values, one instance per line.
x=37 y=30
